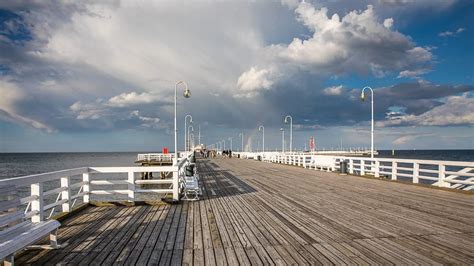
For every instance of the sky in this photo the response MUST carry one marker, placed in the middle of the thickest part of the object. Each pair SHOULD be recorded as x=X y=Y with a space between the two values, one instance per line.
x=100 y=75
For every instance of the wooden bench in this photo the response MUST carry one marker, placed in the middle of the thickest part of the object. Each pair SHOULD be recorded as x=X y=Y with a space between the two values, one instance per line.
x=16 y=231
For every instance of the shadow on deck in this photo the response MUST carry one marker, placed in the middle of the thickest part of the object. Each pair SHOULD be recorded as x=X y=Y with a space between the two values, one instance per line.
x=260 y=213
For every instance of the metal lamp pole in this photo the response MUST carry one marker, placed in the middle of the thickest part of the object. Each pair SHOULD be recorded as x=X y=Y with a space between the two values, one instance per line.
x=185 y=131
x=230 y=143
x=242 y=134
x=190 y=128
x=282 y=140
x=291 y=130
x=262 y=128
x=362 y=97
x=187 y=94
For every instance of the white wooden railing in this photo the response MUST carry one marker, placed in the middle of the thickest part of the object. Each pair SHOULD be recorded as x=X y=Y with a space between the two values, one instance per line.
x=43 y=194
x=449 y=174
x=161 y=157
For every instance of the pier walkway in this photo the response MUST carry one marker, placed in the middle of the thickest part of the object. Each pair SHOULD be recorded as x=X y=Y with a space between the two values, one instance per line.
x=262 y=213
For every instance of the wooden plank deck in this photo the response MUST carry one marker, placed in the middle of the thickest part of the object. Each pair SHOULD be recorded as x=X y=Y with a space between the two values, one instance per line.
x=261 y=213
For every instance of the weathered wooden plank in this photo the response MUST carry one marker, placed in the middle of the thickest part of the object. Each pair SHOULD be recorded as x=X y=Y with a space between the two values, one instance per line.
x=153 y=239
x=261 y=213
x=160 y=244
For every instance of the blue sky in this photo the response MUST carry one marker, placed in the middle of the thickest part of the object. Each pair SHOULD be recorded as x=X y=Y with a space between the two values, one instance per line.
x=87 y=76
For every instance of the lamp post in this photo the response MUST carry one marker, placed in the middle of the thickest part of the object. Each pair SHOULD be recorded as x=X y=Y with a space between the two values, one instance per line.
x=291 y=130
x=262 y=128
x=186 y=94
x=242 y=135
x=282 y=140
x=185 y=131
x=190 y=128
x=223 y=144
x=230 y=143
x=362 y=97
x=191 y=140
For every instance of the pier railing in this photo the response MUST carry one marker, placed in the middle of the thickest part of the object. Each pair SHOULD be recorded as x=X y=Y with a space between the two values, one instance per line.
x=42 y=195
x=449 y=174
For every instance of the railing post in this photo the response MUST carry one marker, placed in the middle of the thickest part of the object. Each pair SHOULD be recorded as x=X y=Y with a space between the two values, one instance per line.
x=362 y=167
x=442 y=176
x=377 y=169
x=394 y=170
x=176 y=184
x=351 y=166
x=131 y=186
x=416 y=171
x=37 y=204
x=66 y=194
x=86 y=187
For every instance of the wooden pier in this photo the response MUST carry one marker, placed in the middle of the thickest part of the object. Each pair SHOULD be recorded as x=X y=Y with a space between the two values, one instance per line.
x=262 y=213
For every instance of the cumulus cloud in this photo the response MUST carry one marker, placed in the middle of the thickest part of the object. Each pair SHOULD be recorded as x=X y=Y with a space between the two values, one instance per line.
x=253 y=80
x=81 y=59
x=133 y=98
x=457 y=110
x=334 y=90
x=356 y=43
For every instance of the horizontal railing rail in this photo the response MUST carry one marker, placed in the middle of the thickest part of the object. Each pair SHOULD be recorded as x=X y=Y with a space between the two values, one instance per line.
x=42 y=194
x=449 y=174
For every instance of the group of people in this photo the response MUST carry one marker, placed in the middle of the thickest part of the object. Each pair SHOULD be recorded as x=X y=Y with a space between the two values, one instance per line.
x=227 y=153
x=213 y=153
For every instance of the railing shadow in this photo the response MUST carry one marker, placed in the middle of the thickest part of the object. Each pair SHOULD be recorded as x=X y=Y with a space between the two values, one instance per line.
x=221 y=183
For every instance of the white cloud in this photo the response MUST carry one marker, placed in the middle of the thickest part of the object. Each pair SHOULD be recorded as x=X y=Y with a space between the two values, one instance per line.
x=11 y=94
x=88 y=110
x=354 y=43
x=457 y=110
x=149 y=122
x=412 y=73
x=132 y=98
x=409 y=138
x=335 y=90
x=388 y=23
x=451 y=33
x=254 y=80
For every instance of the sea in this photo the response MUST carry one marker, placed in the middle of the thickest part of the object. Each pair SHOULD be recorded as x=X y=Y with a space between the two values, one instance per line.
x=21 y=164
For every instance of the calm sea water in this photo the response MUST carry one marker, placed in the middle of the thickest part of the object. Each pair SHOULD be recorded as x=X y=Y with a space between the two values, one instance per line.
x=20 y=164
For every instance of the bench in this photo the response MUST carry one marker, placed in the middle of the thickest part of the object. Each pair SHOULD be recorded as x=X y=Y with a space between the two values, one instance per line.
x=16 y=231
x=191 y=189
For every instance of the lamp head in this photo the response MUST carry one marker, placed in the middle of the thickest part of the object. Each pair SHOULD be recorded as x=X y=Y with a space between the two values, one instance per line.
x=187 y=93
x=281 y=129
x=362 y=96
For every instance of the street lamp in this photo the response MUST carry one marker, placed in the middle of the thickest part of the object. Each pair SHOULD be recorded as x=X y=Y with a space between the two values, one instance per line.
x=191 y=140
x=291 y=130
x=223 y=141
x=190 y=128
x=185 y=132
x=262 y=128
x=230 y=143
x=282 y=140
x=186 y=94
x=242 y=135
x=362 y=97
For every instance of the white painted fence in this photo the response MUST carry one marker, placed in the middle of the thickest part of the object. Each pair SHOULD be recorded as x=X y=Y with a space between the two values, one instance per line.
x=42 y=194
x=161 y=157
x=449 y=174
